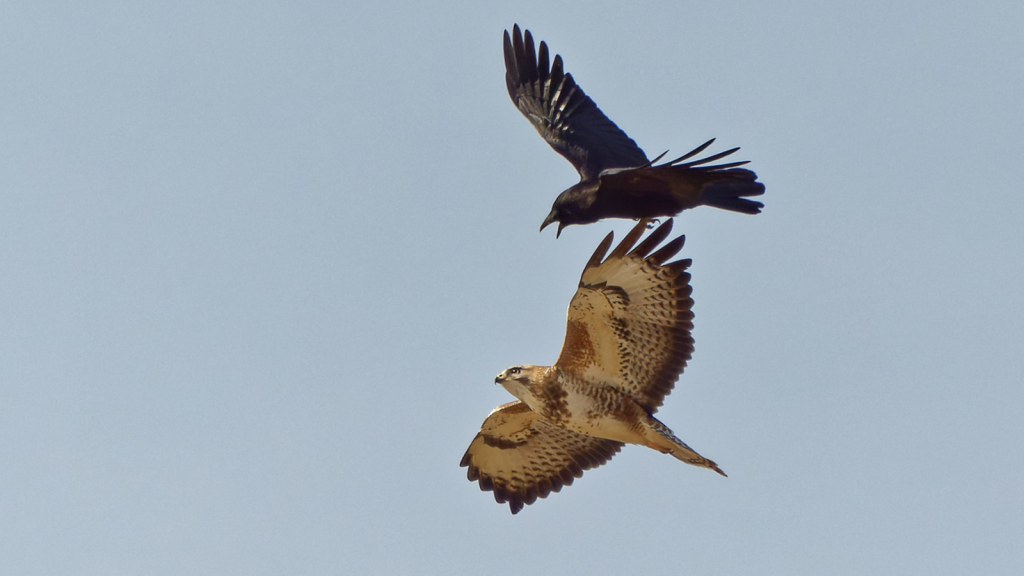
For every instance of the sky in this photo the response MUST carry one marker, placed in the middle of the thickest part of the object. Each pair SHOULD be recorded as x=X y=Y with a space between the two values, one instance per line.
x=261 y=262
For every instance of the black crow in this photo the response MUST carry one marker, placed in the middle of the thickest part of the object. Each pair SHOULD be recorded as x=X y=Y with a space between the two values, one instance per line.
x=616 y=178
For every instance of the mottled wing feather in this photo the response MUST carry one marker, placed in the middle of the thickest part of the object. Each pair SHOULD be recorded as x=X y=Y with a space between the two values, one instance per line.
x=629 y=323
x=521 y=457
x=563 y=115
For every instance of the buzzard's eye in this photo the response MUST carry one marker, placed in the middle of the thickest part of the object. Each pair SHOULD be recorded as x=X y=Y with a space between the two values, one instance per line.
x=514 y=371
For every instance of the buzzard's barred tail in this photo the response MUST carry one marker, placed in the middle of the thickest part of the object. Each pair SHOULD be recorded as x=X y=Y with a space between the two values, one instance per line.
x=729 y=191
x=678 y=448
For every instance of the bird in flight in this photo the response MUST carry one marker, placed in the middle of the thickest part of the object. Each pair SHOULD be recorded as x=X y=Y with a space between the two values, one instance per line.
x=627 y=340
x=617 y=180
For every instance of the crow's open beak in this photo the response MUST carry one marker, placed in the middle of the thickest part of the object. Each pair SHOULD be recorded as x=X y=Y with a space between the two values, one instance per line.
x=553 y=217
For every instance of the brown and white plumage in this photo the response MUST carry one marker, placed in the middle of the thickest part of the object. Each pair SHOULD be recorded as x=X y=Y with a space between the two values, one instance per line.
x=627 y=340
x=521 y=456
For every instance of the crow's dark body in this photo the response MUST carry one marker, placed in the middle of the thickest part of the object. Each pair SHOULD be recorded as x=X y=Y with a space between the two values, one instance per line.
x=616 y=178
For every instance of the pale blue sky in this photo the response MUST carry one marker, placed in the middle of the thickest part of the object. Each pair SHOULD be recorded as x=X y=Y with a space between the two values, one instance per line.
x=261 y=262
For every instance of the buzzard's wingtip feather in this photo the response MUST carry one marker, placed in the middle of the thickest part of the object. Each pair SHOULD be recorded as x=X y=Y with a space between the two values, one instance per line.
x=630 y=239
x=667 y=251
x=599 y=254
x=678 y=268
x=652 y=241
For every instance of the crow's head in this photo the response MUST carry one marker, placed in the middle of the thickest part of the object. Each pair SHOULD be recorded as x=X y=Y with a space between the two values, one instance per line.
x=554 y=216
x=572 y=207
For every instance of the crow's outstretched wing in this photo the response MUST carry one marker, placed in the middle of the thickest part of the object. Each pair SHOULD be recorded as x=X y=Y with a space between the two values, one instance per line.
x=563 y=115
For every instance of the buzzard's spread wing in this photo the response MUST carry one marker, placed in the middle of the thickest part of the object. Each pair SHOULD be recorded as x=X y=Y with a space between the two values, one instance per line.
x=567 y=119
x=629 y=323
x=522 y=457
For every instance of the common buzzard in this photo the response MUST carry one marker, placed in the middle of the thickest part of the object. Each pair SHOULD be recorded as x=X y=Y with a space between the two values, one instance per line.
x=627 y=340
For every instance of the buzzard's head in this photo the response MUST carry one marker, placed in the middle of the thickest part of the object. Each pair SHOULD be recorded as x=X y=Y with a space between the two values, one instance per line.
x=518 y=373
x=518 y=380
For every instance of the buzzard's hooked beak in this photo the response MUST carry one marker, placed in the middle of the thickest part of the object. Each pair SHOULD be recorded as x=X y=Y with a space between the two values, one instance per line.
x=497 y=379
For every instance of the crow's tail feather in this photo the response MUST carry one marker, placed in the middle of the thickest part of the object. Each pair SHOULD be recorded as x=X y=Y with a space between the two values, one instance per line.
x=729 y=190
